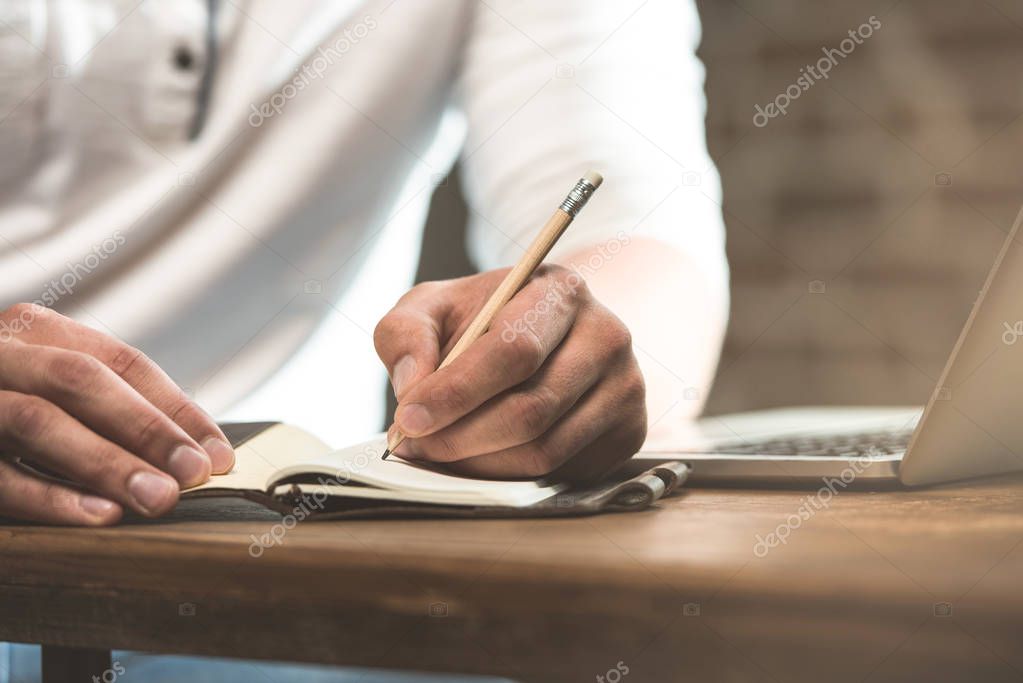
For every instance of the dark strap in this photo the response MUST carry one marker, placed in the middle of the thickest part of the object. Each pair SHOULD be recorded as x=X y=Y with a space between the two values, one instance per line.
x=240 y=432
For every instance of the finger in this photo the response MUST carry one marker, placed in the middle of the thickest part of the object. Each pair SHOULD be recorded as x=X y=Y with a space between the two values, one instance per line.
x=89 y=391
x=149 y=379
x=408 y=338
x=523 y=335
x=583 y=446
x=522 y=413
x=52 y=329
x=38 y=431
x=28 y=497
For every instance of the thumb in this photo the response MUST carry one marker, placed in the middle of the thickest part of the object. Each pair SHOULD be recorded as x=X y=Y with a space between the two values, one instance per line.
x=408 y=339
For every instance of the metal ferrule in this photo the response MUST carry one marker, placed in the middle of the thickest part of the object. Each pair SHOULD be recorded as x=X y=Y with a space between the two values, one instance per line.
x=578 y=197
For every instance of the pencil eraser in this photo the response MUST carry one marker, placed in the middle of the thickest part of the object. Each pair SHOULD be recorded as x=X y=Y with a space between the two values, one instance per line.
x=593 y=178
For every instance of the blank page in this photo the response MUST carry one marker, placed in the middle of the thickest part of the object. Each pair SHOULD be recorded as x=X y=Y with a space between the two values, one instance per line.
x=406 y=481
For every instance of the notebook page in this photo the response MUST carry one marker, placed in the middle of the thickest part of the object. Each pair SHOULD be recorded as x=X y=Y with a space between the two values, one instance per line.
x=511 y=497
x=361 y=464
x=258 y=461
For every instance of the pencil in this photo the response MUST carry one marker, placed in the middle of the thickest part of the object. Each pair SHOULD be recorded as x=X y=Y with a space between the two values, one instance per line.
x=517 y=276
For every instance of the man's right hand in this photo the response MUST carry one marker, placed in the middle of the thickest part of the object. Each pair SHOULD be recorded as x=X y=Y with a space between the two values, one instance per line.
x=98 y=413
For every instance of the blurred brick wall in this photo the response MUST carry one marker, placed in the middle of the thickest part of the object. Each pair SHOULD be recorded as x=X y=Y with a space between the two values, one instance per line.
x=862 y=223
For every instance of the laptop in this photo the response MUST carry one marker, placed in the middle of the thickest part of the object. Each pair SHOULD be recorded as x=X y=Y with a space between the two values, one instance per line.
x=972 y=426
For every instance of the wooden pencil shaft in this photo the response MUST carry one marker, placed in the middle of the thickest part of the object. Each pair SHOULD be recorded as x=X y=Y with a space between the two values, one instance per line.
x=512 y=282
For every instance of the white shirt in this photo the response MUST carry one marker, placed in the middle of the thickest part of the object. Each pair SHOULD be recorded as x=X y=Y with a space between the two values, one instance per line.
x=246 y=215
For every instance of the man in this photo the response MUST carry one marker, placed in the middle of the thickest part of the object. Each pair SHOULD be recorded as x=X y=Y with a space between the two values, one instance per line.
x=223 y=195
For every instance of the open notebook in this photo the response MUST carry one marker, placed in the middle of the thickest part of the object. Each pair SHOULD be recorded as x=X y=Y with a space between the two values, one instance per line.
x=284 y=468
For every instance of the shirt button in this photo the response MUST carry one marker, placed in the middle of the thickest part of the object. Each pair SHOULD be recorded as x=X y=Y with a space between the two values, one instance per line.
x=183 y=58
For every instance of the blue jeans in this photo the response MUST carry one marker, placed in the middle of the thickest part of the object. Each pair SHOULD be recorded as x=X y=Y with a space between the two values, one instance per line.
x=20 y=664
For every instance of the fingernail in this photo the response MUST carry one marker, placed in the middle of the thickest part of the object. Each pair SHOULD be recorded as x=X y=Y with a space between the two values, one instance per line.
x=414 y=419
x=393 y=435
x=97 y=507
x=188 y=466
x=151 y=491
x=221 y=454
x=404 y=371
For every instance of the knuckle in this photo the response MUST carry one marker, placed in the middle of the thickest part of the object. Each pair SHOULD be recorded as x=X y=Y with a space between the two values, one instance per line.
x=393 y=331
x=537 y=461
x=19 y=318
x=128 y=358
x=15 y=310
x=441 y=447
x=533 y=413
x=552 y=271
x=456 y=393
x=527 y=355
x=11 y=312
x=55 y=496
x=618 y=337
x=103 y=469
x=25 y=310
x=633 y=425
x=28 y=417
x=633 y=437
x=568 y=283
x=634 y=387
x=420 y=292
x=74 y=372
x=151 y=430
x=577 y=288
x=384 y=332
x=426 y=288
x=184 y=409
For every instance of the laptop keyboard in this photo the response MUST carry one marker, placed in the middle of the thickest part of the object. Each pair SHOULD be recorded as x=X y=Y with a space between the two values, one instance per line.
x=849 y=445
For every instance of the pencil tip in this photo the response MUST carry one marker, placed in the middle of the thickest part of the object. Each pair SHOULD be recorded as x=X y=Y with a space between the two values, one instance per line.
x=386 y=454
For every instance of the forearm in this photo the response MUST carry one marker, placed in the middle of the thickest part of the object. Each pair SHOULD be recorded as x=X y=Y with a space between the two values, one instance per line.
x=677 y=314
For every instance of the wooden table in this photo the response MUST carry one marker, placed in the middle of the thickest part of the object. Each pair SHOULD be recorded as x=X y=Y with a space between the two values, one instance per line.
x=897 y=585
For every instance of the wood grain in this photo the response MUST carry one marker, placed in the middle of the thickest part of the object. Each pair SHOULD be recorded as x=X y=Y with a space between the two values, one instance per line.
x=851 y=595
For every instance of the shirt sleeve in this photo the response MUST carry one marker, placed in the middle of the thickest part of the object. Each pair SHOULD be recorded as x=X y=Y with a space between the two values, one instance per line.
x=552 y=89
